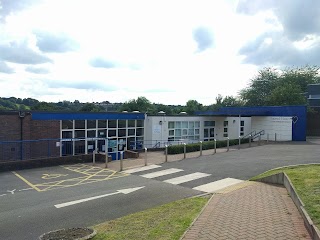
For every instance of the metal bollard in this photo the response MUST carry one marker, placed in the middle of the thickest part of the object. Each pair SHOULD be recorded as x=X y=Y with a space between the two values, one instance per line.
x=200 y=148
x=275 y=137
x=250 y=140
x=215 y=146
x=106 y=164
x=228 y=144
x=184 y=150
x=94 y=157
x=259 y=140
x=239 y=142
x=166 y=153
x=121 y=161
x=145 y=157
x=267 y=137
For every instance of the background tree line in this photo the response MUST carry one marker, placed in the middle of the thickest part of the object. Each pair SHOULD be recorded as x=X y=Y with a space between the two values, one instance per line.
x=269 y=87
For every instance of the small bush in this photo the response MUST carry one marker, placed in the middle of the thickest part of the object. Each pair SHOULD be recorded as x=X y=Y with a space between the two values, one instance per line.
x=194 y=147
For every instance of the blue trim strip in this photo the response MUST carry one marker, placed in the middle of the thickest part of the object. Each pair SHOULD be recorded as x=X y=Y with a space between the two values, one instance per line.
x=83 y=116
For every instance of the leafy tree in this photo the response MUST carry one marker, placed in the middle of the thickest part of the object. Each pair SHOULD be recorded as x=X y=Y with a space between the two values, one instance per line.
x=273 y=87
x=140 y=104
x=91 y=107
x=45 y=106
x=192 y=106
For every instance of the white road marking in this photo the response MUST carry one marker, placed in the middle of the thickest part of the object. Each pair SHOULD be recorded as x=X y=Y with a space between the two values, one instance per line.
x=25 y=189
x=217 y=185
x=3 y=195
x=123 y=191
x=187 y=178
x=161 y=173
x=134 y=170
x=11 y=191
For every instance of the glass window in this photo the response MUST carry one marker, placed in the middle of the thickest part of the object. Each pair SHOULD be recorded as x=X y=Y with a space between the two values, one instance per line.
x=191 y=124
x=225 y=135
x=91 y=124
x=122 y=123
x=212 y=132
x=171 y=132
x=139 y=123
x=102 y=123
x=196 y=131
x=242 y=123
x=67 y=124
x=197 y=124
x=242 y=133
x=102 y=133
x=185 y=125
x=170 y=124
x=131 y=123
x=225 y=130
x=66 y=134
x=131 y=132
x=139 y=131
x=178 y=132
x=196 y=137
x=241 y=129
x=112 y=123
x=185 y=132
x=122 y=132
x=209 y=123
x=190 y=132
x=178 y=124
x=91 y=133
x=79 y=134
x=79 y=147
x=206 y=132
x=79 y=124
x=225 y=123
x=112 y=133
x=171 y=139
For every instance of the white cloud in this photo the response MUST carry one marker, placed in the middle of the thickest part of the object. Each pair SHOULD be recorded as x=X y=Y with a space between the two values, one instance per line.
x=117 y=50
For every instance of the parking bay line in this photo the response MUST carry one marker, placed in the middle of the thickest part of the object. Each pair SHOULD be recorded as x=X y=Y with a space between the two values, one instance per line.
x=26 y=181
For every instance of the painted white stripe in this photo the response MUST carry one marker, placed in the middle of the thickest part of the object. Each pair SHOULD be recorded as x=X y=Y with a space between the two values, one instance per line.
x=134 y=170
x=217 y=185
x=187 y=178
x=161 y=173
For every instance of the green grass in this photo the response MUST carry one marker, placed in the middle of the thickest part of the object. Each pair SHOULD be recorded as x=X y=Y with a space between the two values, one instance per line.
x=306 y=180
x=167 y=221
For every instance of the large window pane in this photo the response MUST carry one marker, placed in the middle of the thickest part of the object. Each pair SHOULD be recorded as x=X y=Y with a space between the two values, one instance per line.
x=66 y=134
x=122 y=132
x=209 y=123
x=139 y=131
x=79 y=124
x=185 y=125
x=131 y=123
x=171 y=132
x=178 y=124
x=122 y=123
x=112 y=133
x=211 y=132
x=91 y=124
x=139 y=123
x=79 y=134
x=67 y=124
x=102 y=123
x=197 y=124
x=178 y=132
x=191 y=124
x=206 y=132
x=131 y=132
x=91 y=133
x=170 y=124
x=112 y=124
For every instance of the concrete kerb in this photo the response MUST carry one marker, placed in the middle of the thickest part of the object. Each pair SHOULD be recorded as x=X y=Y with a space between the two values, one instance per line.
x=283 y=179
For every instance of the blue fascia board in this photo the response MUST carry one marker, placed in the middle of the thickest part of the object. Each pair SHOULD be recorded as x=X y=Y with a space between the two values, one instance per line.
x=83 y=116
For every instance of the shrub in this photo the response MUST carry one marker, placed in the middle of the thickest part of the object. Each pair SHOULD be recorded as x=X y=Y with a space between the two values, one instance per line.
x=194 y=147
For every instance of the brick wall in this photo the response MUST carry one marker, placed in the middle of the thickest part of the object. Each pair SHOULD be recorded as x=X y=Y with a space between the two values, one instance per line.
x=10 y=130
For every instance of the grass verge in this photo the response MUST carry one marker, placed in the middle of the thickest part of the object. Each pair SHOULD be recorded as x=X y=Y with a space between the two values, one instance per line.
x=167 y=221
x=306 y=180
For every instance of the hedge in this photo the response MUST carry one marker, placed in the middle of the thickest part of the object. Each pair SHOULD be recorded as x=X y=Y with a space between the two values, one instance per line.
x=195 y=147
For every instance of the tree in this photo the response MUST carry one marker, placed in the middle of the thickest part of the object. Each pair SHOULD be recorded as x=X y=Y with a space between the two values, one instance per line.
x=141 y=104
x=275 y=87
x=192 y=106
x=90 y=107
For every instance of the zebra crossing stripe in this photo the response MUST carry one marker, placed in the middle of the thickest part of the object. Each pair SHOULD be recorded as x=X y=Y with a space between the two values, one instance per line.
x=140 y=169
x=161 y=173
x=187 y=178
x=217 y=185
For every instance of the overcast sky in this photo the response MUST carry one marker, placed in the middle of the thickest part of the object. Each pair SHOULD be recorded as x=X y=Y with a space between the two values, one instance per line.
x=168 y=51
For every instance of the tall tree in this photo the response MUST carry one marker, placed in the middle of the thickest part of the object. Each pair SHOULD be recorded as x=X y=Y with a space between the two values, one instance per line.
x=274 y=87
x=192 y=106
x=140 y=104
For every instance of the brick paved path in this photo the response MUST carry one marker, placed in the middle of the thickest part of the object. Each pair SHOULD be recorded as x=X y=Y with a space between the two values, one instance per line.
x=257 y=211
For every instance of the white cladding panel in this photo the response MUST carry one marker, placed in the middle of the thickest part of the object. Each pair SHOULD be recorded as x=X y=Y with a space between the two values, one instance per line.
x=281 y=126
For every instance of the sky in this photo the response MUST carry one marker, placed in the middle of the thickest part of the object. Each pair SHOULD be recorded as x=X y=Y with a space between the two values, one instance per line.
x=167 y=51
